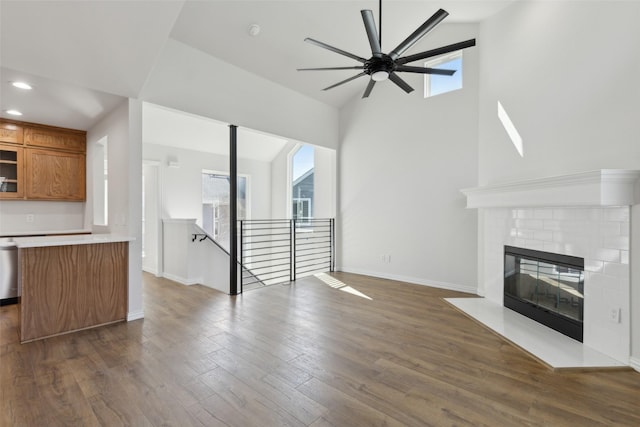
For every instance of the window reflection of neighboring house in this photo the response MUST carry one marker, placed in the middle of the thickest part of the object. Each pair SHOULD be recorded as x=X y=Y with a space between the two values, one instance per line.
x=302 y=196
x=216 y=205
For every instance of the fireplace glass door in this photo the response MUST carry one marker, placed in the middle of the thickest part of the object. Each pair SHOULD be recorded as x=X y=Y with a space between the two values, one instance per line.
x=548 y=290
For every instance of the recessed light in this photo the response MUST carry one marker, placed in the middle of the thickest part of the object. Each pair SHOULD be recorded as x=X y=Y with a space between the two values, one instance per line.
x=22 y=85
x=14 y=112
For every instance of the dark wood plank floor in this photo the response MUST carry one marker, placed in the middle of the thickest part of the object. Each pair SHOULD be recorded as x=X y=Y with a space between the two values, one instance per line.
x=308 y=354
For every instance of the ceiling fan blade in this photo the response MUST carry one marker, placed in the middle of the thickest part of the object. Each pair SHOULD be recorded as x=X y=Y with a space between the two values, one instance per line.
x=435 y=52
x=345 y=81
x=422 y=30
x=369 y=88
x=357 y=67
x=401 y=83
x=335 y=49
x=425 y=70
x=370 y=27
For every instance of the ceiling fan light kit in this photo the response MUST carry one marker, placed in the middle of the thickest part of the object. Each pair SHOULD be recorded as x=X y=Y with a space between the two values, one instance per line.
x=383 y=66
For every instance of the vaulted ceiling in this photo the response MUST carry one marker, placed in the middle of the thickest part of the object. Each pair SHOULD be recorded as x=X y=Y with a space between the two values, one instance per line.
x=84 y=56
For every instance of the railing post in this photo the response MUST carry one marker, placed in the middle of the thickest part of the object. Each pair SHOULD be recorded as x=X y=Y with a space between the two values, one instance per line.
x=332 y=245
x=233 y=207
x=241 y=256
x=293 y=252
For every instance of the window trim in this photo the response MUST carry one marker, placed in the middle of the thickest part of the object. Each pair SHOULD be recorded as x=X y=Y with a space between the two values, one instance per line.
x=434 y=63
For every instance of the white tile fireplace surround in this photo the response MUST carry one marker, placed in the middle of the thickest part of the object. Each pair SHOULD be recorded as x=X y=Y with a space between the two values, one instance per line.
x=587 y=215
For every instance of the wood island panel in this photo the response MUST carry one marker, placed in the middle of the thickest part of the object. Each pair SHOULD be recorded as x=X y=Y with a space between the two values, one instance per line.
x=67 y=288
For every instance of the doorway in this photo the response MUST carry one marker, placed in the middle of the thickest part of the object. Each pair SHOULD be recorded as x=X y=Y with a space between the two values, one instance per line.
x=151 y=224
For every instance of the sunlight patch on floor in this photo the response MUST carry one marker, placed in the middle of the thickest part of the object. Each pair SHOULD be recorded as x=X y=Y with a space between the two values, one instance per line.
x=341 y=286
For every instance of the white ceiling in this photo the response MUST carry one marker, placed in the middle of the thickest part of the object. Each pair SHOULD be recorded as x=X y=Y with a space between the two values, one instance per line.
x=53 y=102
x=84 y=57
x=220 y=28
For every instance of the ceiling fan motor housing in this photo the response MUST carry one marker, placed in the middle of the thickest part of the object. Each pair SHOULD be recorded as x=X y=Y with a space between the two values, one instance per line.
x=379 y=63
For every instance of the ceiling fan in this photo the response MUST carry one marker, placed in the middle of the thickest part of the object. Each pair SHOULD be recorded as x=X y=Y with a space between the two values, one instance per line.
x=383 y=66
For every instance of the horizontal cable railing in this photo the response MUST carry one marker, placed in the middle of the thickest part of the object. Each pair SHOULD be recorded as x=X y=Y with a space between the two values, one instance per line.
x=277 y=251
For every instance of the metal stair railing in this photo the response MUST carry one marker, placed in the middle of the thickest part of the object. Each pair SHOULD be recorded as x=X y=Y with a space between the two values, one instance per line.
x=202 y=235
x=277 y=251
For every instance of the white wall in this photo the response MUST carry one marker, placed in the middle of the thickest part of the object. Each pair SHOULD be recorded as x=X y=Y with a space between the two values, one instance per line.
x=281 y=182
x=324 y=183
x=47 y=216
x=635 y=286
x=182 y=186
x=567 y=74
x=189 y=80
x=152 y=233
x=402 y=162
x=123 y=129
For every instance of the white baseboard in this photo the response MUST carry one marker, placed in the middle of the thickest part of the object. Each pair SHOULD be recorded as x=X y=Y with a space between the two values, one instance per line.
x=181 y=280
x=135 y=315
x=150 y=270
x=635 y=363
x=414 y=280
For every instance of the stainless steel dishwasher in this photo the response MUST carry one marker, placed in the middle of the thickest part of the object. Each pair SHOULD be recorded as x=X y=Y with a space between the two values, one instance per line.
x=8 y=271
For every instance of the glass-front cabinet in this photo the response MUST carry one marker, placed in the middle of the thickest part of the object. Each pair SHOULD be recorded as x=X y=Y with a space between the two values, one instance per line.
x=11 y=167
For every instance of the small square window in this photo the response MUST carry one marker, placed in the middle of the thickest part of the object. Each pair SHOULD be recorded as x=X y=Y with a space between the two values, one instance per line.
x=436 y=84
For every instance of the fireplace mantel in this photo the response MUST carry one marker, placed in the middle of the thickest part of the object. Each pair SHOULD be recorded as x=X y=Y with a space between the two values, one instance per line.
x=605 y=187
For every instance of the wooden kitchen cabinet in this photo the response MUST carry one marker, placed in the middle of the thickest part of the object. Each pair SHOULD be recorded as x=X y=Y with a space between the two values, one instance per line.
x=41 y=162
x=11 y=168
x=54 y=175
x=10 y=133
x=55 y=138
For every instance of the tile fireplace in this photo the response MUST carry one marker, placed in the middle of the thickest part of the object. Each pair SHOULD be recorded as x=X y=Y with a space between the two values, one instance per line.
x=585 y=216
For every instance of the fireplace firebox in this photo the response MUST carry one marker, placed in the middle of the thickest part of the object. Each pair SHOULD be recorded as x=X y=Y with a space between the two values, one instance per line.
x=546 y=287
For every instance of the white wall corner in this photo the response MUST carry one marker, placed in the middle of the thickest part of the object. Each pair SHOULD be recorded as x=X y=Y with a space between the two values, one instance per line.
x=135 y=315
x=181 y=280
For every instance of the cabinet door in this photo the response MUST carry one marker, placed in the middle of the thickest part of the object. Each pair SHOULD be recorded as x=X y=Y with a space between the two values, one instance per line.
x=10 y=133
x=11 y=167
x=59 y=139
x=54 y=175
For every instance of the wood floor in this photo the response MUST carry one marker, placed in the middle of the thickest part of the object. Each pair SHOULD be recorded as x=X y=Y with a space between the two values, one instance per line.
x=308 y=354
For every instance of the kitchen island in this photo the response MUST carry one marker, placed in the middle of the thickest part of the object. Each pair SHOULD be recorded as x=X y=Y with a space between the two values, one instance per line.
x=71 y=282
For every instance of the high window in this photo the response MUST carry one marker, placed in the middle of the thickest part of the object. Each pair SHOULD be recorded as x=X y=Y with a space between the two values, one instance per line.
x=437 y=84
x=216 y=204
x=302 y=186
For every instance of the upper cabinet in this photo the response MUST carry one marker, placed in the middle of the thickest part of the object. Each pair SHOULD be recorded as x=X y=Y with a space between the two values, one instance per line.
x=55 y=138
x=54 y=175
x=11 y=168
x=10 y=133
x=40 y=162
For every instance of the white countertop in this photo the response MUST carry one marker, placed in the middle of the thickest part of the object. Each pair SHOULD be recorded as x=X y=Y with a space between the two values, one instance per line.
x=78 y=239
x=44 y=232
